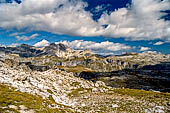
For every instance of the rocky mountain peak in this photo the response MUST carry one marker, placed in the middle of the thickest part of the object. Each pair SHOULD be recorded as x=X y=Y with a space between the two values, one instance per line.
x=25 y=46
x=55 y=47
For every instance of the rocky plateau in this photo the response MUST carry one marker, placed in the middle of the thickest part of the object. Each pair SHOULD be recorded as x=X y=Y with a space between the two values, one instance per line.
x=57 y=78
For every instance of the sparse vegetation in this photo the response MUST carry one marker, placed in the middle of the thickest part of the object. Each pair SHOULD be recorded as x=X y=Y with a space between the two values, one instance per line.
x=61 y=87
x=145 y=95
x=78 y=92
x=75 y=84
x=8 y=96
x=74 y=69
x=48 y=90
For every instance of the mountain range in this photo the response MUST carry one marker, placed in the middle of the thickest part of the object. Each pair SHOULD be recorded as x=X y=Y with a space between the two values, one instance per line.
x=57 y=78
x=90 y=66
x=53 y=49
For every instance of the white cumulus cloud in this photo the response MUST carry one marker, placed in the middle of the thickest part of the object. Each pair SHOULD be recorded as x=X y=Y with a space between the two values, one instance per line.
x=27 y=37
x=2 y=45
x=144 y=48
x=14 y=45
x=105 y=47
x=42 y=43
x=158 y=43
x=141 y=21
x=16 y=33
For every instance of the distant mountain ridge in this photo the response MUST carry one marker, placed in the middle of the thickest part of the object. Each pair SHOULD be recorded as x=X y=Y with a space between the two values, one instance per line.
x=53 y=49
x=23 y=50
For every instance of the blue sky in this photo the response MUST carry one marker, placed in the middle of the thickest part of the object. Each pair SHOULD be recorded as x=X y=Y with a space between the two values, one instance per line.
x=126 y=26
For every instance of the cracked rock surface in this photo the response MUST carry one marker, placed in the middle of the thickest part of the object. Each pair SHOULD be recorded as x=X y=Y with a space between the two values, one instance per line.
x=77 y=94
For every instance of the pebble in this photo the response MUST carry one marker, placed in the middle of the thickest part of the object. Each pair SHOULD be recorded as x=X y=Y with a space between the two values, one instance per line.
x=13 y=107
x=94 y=90
x=85 y=97
x=22 y=107
x=27 y=111
x=83 y=105
x=79 y=111
x=60 y=81
x=114 y=106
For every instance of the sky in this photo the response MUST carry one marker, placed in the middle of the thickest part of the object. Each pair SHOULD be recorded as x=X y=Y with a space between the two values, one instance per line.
x=103 y=26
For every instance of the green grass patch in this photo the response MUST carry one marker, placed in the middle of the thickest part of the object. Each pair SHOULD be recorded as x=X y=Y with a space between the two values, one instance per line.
x=49 y=91
x=75 y=84
x=77 y=69
x=77 y=92
x=8 y=96
x=150 y=96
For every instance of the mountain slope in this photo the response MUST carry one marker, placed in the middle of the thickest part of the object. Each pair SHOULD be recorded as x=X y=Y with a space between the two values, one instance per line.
x=59 y=91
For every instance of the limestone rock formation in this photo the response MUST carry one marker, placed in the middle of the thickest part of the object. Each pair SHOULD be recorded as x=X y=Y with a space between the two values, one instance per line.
x=81 y=81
